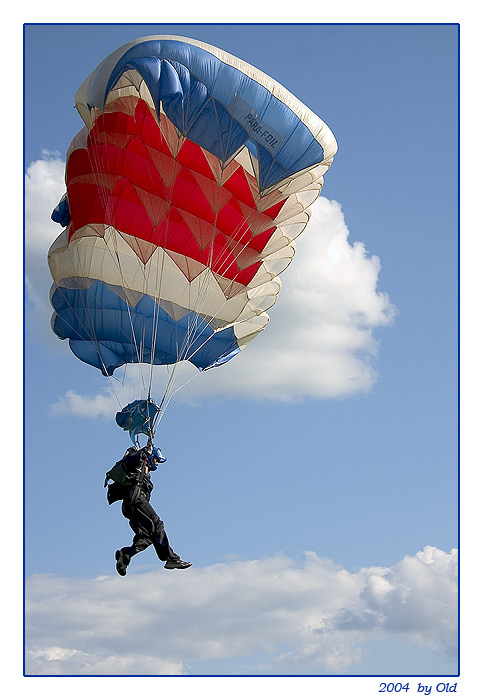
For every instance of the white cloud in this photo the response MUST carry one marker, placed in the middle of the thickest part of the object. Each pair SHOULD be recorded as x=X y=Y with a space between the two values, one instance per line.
x=104 y=404
x=44 y=186
x=81 y=663
x=316 y=618
x=321 y=340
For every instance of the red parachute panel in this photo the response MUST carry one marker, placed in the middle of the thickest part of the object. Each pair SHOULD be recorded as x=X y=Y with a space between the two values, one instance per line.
x=168 y=192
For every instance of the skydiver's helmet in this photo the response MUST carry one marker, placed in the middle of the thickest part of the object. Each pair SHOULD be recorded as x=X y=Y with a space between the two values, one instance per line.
x=155 y=457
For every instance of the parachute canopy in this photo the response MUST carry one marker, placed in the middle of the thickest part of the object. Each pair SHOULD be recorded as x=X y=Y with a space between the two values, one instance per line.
x=186 y=188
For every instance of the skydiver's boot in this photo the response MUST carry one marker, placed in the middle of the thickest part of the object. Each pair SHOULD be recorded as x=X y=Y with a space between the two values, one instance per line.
x=122 y=561
x=177 y=564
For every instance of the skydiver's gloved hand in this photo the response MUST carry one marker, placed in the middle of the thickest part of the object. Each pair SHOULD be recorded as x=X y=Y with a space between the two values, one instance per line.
x=155 y=457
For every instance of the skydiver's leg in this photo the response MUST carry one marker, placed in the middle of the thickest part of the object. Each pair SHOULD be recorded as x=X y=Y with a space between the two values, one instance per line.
x=141 y=540
x=162 y=547
x=153 y=526
x=142 y=534
x=148 y=529
x=159 y=539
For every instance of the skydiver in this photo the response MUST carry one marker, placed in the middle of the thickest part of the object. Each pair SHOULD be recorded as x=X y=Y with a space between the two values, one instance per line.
x=132 y=484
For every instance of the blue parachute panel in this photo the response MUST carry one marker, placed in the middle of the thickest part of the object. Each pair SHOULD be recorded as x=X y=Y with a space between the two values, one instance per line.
x=105 y=332
x=61 y=213
x=193 y=85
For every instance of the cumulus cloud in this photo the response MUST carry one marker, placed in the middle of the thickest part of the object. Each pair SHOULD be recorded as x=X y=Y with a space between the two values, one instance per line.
x=321 y=341
x=315 y=618
x=44 y=186
x=103 y=404
x=93 y=664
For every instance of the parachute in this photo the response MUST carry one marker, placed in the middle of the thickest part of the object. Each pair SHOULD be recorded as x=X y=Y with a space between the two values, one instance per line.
x=186 y=189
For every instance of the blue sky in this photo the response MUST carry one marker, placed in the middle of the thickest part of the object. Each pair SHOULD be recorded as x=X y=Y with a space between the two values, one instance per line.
x=326 y=486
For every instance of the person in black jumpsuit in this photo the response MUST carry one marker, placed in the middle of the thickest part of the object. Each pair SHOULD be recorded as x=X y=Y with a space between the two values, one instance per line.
x=144 y=521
